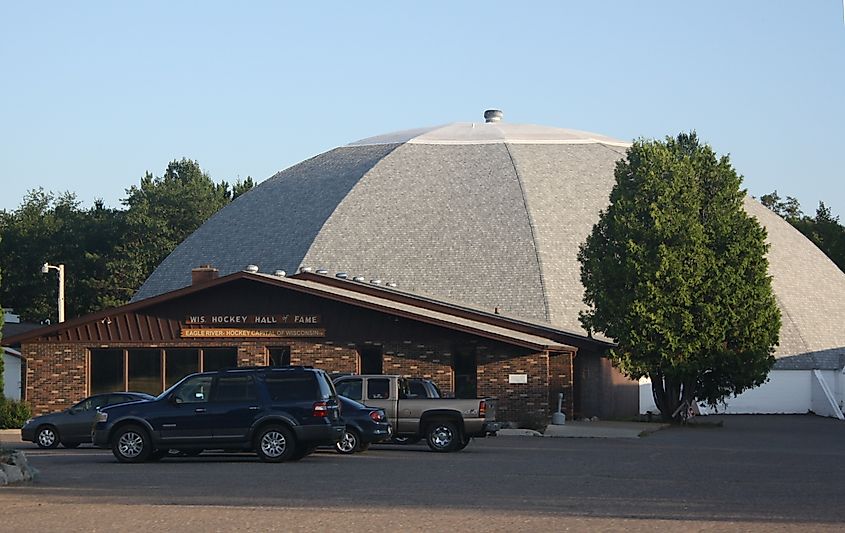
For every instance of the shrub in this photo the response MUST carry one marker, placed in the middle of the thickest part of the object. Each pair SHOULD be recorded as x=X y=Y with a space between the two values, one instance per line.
x=13 y=414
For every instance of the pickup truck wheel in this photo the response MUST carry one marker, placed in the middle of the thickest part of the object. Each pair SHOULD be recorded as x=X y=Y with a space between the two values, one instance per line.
x=349 y=442
x=462 y=443
x=131 y=445
x=275 y=444
x=442 y=436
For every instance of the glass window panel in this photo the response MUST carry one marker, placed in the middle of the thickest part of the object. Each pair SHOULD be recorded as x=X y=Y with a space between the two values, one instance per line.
x=106 y=370
x=351 y=388
x=194 y=390
x=180 y=362
x=378 y=389
x=234 y=389
x=145 y=371
x=296 y=387
x=219 y=358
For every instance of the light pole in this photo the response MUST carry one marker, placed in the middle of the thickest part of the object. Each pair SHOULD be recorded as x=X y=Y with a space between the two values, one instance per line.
x=45 y=268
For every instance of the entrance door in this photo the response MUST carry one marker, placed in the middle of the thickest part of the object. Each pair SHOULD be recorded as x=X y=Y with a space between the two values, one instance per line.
x=279 y=356
x=465 y=369
x=371 y=360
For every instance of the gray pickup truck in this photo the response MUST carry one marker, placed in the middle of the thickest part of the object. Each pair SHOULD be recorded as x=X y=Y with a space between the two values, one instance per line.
x=447 y=424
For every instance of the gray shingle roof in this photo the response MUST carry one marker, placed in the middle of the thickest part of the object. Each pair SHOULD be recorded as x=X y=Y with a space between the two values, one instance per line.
x=487 y=214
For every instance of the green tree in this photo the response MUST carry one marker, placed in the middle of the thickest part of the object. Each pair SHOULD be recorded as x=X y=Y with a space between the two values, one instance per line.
x=824 y=230
x=789 y=209
x=161 y=212
x=675 y=272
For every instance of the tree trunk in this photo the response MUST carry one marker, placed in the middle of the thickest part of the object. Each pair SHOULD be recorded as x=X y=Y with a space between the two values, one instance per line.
x=668 y=394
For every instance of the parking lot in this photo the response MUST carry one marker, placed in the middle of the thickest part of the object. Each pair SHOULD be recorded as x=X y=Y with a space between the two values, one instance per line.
x=762 y=473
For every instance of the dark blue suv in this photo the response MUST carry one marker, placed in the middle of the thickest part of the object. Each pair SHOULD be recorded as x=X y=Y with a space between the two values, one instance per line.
x=281 y=413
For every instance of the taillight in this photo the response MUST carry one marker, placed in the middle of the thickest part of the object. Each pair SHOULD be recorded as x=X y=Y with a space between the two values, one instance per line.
x=321 y=409
x=482 y=408
x=377 y=416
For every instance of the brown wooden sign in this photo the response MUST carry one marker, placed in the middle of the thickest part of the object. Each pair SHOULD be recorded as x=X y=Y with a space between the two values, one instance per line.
x=252 y=320
x=217 y=333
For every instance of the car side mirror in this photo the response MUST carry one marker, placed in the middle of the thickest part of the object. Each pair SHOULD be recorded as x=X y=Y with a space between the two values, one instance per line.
x=173 y=399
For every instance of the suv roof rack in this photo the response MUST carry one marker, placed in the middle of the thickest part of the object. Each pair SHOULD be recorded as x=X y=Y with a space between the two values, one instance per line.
x=262 y=367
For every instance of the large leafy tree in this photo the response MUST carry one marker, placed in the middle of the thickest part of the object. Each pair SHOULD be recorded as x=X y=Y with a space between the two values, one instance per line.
x=107 y=252
x=52 y=228
x=824 y=229
x=161 y=212
x=675 y=272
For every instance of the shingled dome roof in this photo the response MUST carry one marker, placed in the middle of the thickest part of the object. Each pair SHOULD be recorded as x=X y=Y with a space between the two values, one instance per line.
x=488 y=214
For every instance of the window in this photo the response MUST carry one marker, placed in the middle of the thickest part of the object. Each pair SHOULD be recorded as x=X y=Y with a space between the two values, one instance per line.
x=120 y=398
x=371 y=360
x=90 y=403
x=194 y=390
x=145 y=371
x=179 y=362
x=378 y=389
x=219 y=358
x=234 y=389
x=279 y=356
x=106 y=371
x=417 y=389
x=351 y=388
x=292 y=387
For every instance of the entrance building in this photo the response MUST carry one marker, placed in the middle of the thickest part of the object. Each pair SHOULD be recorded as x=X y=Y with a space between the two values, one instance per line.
x=343 y=326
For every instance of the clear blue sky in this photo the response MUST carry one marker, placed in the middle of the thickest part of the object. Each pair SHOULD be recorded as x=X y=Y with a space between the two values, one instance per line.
x=93 y=94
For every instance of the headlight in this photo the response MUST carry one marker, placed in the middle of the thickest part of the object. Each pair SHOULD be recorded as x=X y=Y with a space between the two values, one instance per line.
x=101 y=417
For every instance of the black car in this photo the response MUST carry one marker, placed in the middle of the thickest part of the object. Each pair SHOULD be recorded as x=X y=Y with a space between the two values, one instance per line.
x=72 y=426
x=281 y=413
x=364 y=426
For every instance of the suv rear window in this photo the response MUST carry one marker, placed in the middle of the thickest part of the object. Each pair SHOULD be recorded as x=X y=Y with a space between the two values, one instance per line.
x=283 y=387
x=327 y=390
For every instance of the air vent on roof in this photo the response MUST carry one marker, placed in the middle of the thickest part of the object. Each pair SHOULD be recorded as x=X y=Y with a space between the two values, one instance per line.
x=391 y=284
x=375 y=281
x=280 y=273
x=305 y=269
x=252 y=268
x=322 y=271
x=493 y=115
x=341 y=275
x=359 y=279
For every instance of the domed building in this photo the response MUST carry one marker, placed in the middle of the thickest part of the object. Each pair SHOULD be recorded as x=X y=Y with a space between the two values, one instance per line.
x=487 y=214
x=448 y=253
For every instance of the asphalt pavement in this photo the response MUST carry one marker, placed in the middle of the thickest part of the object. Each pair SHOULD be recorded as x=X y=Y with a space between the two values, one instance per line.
x=752 y=473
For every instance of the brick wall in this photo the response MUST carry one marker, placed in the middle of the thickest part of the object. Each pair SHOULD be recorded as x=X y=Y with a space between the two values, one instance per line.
x=526 y=403
x=57 y=373
x=56 y=376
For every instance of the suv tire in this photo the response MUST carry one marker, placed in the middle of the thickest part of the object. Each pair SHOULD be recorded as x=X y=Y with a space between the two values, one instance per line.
x=275 y=444
x=442 y=436
x=131 y=444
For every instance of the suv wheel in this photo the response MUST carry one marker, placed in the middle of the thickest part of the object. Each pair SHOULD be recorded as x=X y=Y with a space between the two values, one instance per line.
x=442 y=436
x=47 y=437
x=350 y=442
x=131 y=444
x=274 y=444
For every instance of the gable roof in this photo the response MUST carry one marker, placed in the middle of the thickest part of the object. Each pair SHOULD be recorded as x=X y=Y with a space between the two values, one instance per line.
x=96 y=325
